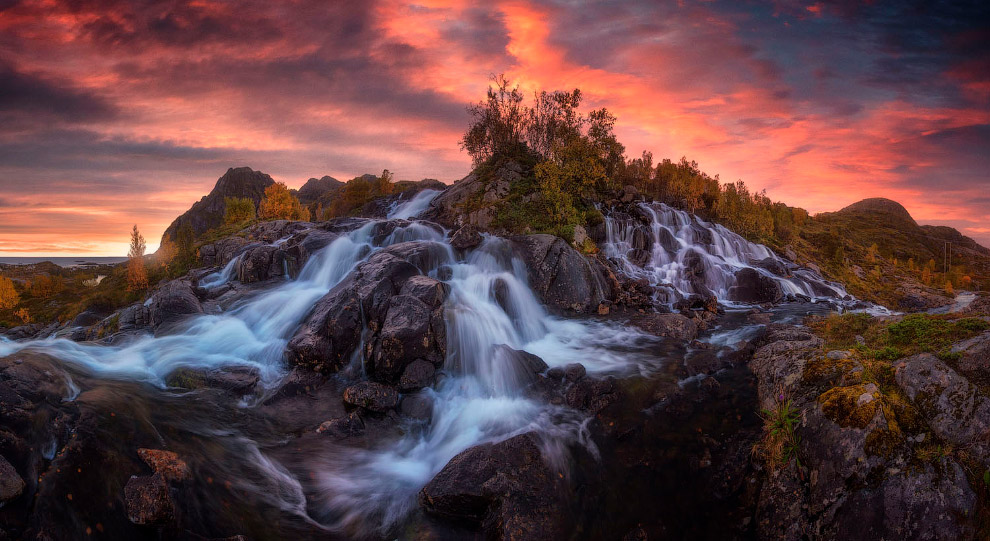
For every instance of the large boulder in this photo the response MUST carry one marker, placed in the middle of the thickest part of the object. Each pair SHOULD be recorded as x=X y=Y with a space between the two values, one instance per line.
x=955 y=409
x=223 y=251
x=372 y=396
x=173 y=301
x=11 y=484
x=755 y=287
x=466 y=237
x=974 y=358
x=561 y=276
x=261 y=263
x=148 y=500
x=506 y=487
x=401 y=308
x=674 y=326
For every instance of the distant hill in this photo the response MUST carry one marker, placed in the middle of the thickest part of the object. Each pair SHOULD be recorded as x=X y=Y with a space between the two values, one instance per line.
x=315 y=188
x=880 y=252
x=207 y=213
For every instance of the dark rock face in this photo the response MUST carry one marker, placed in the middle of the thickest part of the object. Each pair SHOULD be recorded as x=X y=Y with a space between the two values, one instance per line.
x=372 y=396
x=207 y=213
x=238 y=380
x=674 y=326
x=751 y=286
x=342 y=427
x=505 y=487
x=561 y=276
x=773 y=265
x=467 y=236
x=417 y=406
x=260 y=264
x=418 y=374
x=402 y=309
x=148 y=500
x=172 y=302
x=11 y=484
x=524 y=366
x=223 y=251
x=855 y=443
x=974 y=362
x=315 y=188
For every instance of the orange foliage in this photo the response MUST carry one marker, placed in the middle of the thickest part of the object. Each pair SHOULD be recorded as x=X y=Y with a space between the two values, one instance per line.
x=8 y=295
x=280 y=204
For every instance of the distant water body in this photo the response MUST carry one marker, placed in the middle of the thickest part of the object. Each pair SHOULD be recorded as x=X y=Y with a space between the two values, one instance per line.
x=63 y=261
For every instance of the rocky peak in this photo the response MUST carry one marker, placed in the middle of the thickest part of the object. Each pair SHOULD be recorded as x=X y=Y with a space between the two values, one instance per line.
x=314 y=188
x=880 y=205
x=207 y=213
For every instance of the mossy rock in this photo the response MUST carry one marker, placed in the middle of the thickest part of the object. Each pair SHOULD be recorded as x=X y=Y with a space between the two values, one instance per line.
x=842 y=405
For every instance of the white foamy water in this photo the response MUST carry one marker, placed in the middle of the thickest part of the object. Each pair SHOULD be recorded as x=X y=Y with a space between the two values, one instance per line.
x=670 y=237
x=413 y=207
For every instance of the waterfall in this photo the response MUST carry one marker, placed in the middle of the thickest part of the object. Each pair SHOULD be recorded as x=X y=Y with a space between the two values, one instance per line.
x=670 y=247
x=413 y=207
x=222 y=276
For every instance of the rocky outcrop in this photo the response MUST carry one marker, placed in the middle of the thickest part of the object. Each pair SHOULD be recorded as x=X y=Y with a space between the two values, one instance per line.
x=316 y=188
x=261 y=264
x=207 y=213
x=755 y=287
x=674 y=326
x=859 y=445
x=507 y=488
x=223 y=251
x=467 y=236
x=172 y=302
x=11 y=484
x=401 y=308
x=560 y=276
x=372 y=396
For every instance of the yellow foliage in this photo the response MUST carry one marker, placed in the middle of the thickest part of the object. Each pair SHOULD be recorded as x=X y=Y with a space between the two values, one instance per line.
x=166 y=252
x=8 y=295
x=280 y=204
x=47 y=286
x=23 y=315
x=137 y=276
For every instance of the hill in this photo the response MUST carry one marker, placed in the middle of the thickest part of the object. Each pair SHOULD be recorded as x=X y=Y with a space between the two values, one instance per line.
x=881 y=253
x=316 y=188
x=207 y=213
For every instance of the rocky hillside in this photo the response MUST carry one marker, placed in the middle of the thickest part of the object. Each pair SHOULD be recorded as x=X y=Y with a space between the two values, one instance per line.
x=880 y=252
x=316 y=188
x=207 y=213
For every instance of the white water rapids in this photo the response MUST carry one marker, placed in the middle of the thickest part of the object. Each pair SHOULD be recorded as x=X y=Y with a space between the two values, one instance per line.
x=480 y=395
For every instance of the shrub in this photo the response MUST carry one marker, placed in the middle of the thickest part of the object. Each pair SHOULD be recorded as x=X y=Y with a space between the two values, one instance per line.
x=280 y=204
x=238 y=210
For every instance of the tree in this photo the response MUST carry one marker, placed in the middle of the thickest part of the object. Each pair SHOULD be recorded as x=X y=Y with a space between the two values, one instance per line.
x=383 y=185
x=46 y=286
x=8 y=295
x=185 y=242
x=497 y=124
x=137 y=275
x=280 y=204
x=166 y=252
x=553 y=121
x=238 y=209
x=137 y=244
x=23 y=315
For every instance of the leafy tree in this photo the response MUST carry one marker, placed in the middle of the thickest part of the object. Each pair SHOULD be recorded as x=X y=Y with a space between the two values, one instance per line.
x=137 y=275
x=185 y=242
x=383 y=185
x=553 y=121
x=46 y=286
x=238 y=209
x=166 y=252
x=23 y=315
x=8 y=295
x=137 y=245
x=498 y=122
x=280 y=204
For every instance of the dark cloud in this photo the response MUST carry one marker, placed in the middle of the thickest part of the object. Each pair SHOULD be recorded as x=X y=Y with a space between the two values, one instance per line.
x=24 y=94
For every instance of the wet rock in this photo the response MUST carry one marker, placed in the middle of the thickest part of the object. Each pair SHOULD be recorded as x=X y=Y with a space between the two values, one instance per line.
x=236 y=379
x=574 y=371
x=148 y=500
x=166 y=463
x=431 y=292
x=758 y=318
x=87 y=318
x=405 y=336
x=417 y=406
x=223 y=251
x=11 y=484
x=173 y=302
x=299 y=248
x=674 y=326
x=261 y=264
x=506 y=487
x=372 y=396
x=418 y=374
x=342 y=427
x=752 y=286
x=467 y=236
x=592 y=394
x=561 y=276
x=773 y=265
x=522 y=365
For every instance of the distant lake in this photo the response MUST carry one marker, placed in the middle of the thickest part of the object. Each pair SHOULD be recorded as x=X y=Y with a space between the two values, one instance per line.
x=63 y=261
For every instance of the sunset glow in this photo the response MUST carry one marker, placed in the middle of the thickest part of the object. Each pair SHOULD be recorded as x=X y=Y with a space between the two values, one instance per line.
x=114 y=113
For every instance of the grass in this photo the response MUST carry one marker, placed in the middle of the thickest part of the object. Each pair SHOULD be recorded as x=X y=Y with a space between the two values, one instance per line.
x=780 y=442
x=890 y=340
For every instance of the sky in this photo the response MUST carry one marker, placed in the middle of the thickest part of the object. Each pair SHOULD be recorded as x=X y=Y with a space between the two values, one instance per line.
x=120 y=112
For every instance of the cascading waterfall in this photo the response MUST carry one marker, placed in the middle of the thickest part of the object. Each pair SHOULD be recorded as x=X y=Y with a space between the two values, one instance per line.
x=671 y=247
x=414 y=207
x=481 y=397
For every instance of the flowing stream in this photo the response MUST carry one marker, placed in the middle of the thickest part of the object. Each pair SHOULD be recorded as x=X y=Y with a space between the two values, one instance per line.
x=480 y=395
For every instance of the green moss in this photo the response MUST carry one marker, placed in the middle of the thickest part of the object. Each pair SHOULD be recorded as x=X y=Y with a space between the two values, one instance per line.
x=840 y=405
